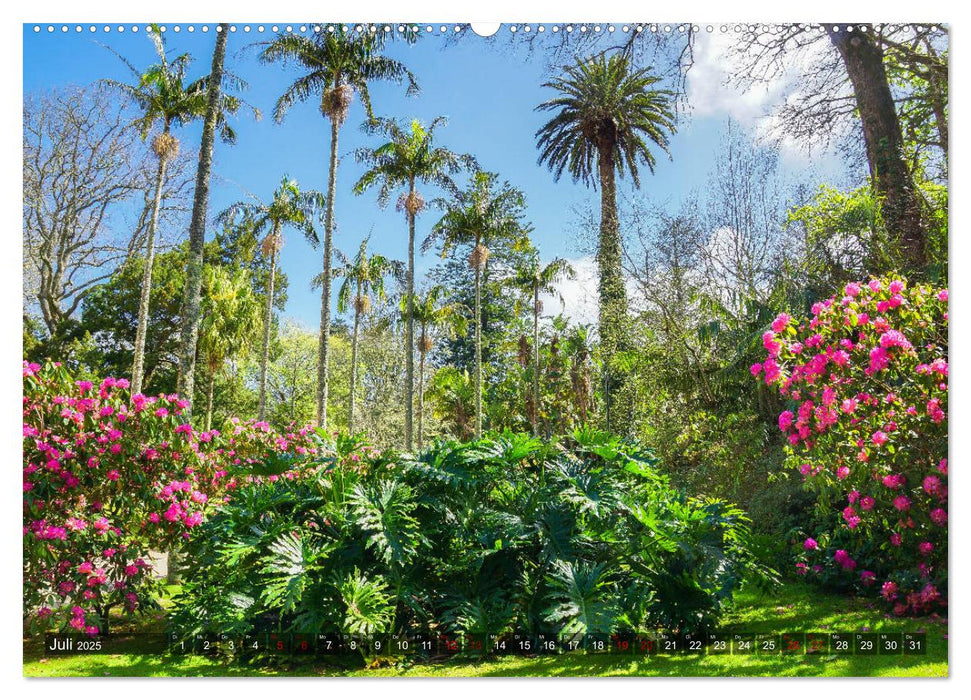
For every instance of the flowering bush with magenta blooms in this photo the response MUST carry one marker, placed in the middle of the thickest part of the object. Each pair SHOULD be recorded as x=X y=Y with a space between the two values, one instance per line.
x=109 y=475
x=866 y=379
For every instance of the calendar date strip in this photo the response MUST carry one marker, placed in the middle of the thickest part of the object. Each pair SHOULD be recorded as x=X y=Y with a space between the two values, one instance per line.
x=822 y=644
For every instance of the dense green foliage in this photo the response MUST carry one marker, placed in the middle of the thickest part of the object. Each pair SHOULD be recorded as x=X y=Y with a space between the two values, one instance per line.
x=584 y=535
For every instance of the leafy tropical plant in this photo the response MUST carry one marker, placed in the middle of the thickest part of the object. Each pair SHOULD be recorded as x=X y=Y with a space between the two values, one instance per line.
x=499 y=534
x=580 y=599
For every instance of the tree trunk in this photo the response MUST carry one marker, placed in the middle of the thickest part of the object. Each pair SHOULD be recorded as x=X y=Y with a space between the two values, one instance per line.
x=478 y=351
x=172 y=564
x=421 y=395
x=323 y=359
x=611 y=291
x=197 y=229
x=138 y=367
x=293 y=394
x=267 y=323
x=940 y=116
x=357 y=323
x=938 y=88
x=209 y=393
x=536 y=406
x=410 y=329
x=892 y=180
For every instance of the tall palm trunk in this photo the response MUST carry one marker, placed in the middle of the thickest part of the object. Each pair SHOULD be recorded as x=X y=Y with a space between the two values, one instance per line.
x=410 y=327
x=144 y=300
x=293 y=394
x=611 y=291
x=323 y=359
x=536 y=406
x=421 y=389
x=197 y=228
x=209 y=392
x=478 y=351
x=267 y=322
x=357 y=323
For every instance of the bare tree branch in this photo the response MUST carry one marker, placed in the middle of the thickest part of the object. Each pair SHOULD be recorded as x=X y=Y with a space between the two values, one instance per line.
x=87 y=196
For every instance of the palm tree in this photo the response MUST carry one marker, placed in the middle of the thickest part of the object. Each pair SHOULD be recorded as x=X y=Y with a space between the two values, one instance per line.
x=478 y=217
x=534 y=279
x=334 y=64
x=228 y=324
x=577 y=348
x=432 y=311
x=166 y=100
x=451 y=393
x=289 y=207
x=608 y=115
x=216 y=103
x=365 y=274
x=405 y=160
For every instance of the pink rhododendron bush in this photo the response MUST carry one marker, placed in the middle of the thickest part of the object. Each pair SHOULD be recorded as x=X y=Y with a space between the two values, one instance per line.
x=866 y=381
x=109 y=475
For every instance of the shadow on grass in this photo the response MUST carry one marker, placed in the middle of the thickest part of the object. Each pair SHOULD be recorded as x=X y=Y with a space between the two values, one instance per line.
x=564 y=665
x=686 y=666
x=142 y=665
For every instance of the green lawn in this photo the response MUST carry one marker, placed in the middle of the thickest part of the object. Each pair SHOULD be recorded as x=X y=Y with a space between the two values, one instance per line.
x=793 y=608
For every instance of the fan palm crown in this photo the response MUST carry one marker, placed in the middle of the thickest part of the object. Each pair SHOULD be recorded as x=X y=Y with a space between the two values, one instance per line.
x=334 y=64
x=363 y=274
x=165 y=97
x=605 y=109
x=290 y=206
x=409 y=156
x=482 y=214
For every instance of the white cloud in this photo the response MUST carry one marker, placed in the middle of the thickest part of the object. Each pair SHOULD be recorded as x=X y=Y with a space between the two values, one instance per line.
x=580 y=298
x=711 y=91
x=579 y=294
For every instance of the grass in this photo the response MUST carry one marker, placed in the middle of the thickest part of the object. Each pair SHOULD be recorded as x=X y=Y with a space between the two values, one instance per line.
x=792 y=608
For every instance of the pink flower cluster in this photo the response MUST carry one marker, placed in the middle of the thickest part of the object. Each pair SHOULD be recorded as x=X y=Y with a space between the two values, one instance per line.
x=108 y=475
x=866 y=378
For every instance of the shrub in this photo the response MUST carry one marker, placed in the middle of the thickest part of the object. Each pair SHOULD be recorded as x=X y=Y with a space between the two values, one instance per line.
x=482 y=537
x=866 y=378
x=107 y=476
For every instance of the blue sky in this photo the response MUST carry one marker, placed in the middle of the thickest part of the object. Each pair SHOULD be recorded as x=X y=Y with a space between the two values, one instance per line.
x=487 y=91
